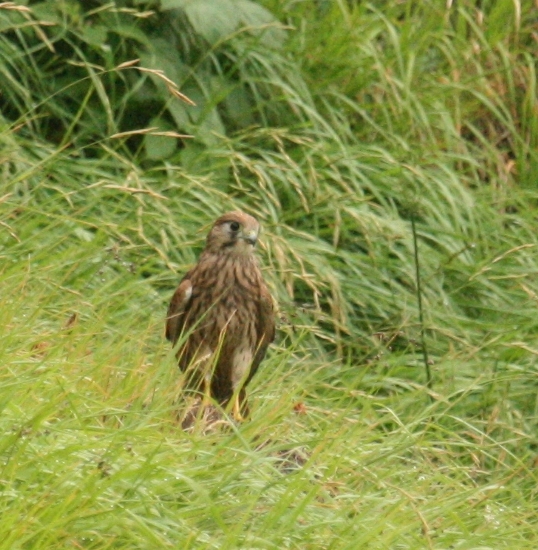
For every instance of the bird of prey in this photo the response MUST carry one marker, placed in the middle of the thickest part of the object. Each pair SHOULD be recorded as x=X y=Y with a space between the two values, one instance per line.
x=221 y=315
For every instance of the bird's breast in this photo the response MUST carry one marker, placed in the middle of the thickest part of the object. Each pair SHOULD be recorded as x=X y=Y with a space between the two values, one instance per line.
x=226 y=299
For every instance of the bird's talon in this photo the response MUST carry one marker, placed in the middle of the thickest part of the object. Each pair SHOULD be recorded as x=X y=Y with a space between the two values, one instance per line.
x=236 y=411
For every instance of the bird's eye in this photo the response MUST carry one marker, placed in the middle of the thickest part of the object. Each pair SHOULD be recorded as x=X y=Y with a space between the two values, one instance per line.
x=234 y=226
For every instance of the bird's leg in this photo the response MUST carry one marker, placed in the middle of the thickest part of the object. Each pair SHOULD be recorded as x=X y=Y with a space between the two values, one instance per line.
x=236 y=408
x=206 y=394
x=240 y=410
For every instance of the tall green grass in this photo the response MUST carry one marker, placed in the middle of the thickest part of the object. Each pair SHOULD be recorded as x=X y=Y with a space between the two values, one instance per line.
x=336 y=124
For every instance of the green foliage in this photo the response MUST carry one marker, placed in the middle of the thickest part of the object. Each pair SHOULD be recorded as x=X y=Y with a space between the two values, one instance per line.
x=336 y=124
x=66 y=64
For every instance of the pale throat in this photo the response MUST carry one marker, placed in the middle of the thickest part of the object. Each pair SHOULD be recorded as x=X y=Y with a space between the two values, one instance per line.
x=243 y=249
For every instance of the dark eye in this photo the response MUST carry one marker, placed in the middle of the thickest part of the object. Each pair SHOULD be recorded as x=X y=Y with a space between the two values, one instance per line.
x=234 y=226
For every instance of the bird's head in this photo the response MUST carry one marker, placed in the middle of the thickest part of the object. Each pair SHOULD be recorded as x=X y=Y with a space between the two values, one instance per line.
x=235 y=233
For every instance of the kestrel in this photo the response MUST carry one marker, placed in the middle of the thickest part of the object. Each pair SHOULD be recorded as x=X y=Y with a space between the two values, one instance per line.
x=222 y=314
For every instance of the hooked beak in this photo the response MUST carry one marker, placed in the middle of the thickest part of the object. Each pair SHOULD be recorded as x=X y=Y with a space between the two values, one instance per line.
x=251 y=237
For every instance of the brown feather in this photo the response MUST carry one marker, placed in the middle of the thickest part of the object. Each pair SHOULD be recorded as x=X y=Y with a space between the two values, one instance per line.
x=222 y=311
x=175 y=318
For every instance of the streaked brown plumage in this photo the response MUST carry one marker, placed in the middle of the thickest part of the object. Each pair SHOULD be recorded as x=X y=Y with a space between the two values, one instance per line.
x=222 y=313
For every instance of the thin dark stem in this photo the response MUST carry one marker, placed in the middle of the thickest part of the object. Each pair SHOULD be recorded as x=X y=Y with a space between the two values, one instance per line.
x=420 y=309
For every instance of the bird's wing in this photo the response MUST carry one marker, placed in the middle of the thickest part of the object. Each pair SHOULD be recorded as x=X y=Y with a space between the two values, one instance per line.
x=175 y=318
x=265 y=329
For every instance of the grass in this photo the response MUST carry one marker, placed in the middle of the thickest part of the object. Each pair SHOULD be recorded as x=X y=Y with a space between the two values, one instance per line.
x=411 y=112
